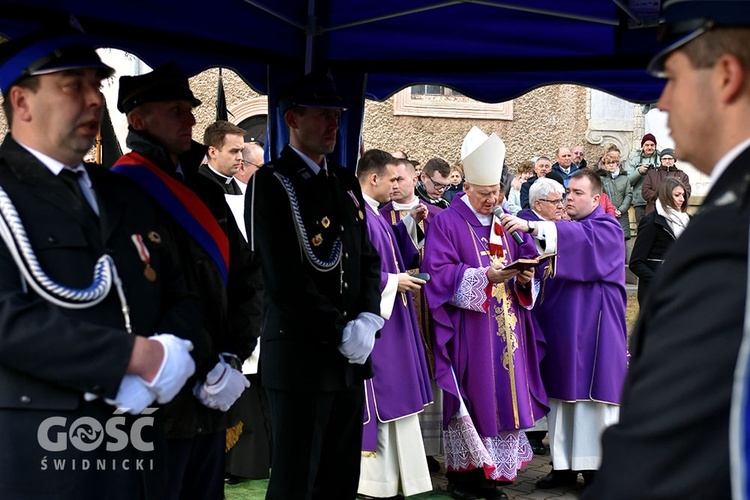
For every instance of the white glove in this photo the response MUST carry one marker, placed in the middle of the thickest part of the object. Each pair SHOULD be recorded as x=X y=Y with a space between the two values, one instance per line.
x=133 y=396
x=223 y=385
x=358 y=338
x=176 y=367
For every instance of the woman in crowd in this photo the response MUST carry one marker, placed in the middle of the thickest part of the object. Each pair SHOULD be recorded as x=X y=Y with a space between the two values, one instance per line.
x=525 y=170
x=457 y=182
x=658 y=231
x=616 y=186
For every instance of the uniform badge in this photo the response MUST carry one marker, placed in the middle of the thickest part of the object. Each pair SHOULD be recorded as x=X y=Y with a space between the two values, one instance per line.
x=325 y=222
x=154 y=237
x=317 y=240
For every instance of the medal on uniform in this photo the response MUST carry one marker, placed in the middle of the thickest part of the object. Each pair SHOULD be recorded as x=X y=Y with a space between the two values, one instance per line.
x=154 y=237
x=325 y=222
x=145 y=256
x=317 y=240
x=356 y=203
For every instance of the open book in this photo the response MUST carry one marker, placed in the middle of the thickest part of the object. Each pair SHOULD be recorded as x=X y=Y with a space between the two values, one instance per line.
x=523 y=264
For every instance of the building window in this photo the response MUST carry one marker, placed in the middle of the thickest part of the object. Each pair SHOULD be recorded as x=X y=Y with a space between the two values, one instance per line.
x=443 y=102
x=433 y=90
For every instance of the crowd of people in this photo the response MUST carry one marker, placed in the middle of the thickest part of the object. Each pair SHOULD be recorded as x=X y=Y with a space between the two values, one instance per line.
x=337 y=329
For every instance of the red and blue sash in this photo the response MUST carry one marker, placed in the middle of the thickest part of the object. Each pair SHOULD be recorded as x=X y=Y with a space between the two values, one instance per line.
x=182 y=204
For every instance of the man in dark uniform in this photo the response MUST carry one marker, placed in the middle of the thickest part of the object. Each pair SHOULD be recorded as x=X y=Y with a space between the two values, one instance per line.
x=672 y=440
x=65 y=368
x=218 y=265
x=321 y=278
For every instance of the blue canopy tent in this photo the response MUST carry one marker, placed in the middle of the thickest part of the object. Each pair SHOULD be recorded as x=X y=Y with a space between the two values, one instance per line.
x=488 y=50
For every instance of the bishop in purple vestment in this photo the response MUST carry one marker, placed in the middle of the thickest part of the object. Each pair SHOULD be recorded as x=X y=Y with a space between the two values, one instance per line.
x=486 y=343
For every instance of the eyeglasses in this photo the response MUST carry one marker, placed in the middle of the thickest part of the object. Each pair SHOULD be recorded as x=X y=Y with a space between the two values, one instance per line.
x=560 y=202
x=437 y=185
x=244 y=162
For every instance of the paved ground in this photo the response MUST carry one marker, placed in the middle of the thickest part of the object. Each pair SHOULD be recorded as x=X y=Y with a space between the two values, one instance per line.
x=522 y=489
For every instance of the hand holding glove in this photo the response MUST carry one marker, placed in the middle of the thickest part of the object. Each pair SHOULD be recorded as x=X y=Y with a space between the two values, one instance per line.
x=358 y=338
x=176 y=367
x=223 y=386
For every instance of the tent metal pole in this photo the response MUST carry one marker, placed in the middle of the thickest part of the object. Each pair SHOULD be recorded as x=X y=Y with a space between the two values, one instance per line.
x=564 y=15
x=265 y=9
x=628 y=11
x=311 y=30
x=598 y=20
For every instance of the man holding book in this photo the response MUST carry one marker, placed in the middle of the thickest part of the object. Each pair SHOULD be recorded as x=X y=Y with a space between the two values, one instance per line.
x=486 y=359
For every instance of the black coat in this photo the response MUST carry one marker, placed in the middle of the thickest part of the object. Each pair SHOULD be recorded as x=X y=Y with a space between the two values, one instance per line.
x=231 y=312
x=654 y=239
x=306 y=309
x=50 y=356
x=672 y=440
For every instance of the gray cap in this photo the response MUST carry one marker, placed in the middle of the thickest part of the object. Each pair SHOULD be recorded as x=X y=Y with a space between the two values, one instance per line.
x=686 y=20
x=667 y=152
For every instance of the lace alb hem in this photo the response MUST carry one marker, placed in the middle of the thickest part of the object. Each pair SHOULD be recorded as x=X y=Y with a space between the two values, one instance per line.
x=501 y=457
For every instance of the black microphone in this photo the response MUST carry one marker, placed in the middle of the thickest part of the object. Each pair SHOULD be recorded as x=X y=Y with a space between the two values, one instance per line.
x=497 y=212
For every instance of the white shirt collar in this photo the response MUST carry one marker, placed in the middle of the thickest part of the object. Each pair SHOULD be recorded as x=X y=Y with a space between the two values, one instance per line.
x=313 y=166
x=372 y=202
x=725 y=160
x=406 y=206
x=227 y=180
x=55 y=166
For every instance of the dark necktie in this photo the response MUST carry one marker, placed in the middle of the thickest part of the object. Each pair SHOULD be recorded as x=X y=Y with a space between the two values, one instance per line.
x=70 y=179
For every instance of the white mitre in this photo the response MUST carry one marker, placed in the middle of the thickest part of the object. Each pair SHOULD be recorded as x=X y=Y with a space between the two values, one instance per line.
x=482 y=158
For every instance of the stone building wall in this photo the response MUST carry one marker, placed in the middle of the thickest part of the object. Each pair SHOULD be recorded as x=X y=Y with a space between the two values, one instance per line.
x=543 y=120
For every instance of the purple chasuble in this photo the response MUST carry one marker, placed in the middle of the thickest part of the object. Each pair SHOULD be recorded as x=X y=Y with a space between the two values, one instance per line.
x=401 y=385
x=494 y=354
x=393 y=217
x=582 y=312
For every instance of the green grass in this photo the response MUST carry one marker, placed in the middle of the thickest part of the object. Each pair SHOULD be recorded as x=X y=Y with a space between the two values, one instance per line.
x=247 y=490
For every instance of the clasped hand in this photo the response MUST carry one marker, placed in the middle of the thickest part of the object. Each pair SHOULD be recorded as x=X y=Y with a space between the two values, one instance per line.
x=223 y=386
x=358 y=338
x=135 y=394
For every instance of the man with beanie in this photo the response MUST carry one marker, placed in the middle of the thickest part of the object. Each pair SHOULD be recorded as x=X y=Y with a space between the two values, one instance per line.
x=656 y=176
x=486 y=359
x=84 y=365
x=218 y=266
x=639 y=163
x=684 y=419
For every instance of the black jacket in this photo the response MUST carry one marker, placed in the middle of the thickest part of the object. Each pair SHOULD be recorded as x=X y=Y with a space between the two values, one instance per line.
x=231 y=313
x=672 y=440
x=306 y=308
x=50 y=356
